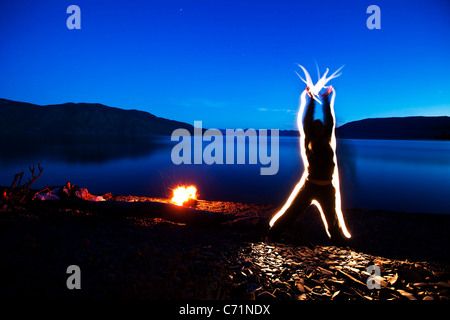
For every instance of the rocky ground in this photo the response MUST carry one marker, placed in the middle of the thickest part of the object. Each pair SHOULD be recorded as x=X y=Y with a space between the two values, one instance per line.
x=129 y=257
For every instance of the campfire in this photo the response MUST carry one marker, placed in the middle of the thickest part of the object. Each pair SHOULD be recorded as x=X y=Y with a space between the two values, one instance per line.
x=185 y=196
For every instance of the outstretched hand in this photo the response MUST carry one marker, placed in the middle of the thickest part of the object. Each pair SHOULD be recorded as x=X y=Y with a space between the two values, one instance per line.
x=327 y=93
x=308 y=92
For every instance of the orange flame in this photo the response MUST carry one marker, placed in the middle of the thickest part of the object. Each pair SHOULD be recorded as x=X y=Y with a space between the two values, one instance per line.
x=335 y=179
x=183 y=194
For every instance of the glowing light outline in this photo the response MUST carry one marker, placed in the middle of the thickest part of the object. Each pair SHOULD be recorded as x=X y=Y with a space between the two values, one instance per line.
x=314 y=90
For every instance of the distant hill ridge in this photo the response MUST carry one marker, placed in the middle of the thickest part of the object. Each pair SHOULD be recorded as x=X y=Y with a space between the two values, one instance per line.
x=81 y=119
x=97 y=119
x=395 y=128
x=407 y=128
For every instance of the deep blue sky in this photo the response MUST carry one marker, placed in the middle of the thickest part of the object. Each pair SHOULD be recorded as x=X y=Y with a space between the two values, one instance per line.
x=228 y=63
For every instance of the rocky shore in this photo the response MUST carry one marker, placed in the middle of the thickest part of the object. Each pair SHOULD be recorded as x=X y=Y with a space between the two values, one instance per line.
x=147 y=258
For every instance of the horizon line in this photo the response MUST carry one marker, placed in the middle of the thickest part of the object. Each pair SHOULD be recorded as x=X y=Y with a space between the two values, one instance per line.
x=134 y=109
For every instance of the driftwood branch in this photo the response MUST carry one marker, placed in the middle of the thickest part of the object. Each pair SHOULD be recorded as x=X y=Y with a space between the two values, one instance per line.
x=17 y=176
x=26 y=186
x=17 y=193
x=40 y=191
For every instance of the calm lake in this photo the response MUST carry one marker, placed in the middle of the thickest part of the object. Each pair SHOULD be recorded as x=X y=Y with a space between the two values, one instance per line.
x=408 y=176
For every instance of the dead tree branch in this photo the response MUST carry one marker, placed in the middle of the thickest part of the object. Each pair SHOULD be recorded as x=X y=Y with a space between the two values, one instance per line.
x=17 y=193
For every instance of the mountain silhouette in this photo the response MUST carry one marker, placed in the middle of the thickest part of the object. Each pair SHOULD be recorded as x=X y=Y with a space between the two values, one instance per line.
x=82 y=119
x=93 y=119
x=407 y=128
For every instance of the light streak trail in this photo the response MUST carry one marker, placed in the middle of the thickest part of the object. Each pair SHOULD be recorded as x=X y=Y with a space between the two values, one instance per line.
x=314 y=91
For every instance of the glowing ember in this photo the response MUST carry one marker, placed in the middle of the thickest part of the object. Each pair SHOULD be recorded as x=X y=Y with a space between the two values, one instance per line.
x=314 y=90
x=182 y=195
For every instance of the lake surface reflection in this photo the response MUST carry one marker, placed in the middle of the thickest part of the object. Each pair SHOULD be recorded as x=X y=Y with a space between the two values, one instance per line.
x=409 y=176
